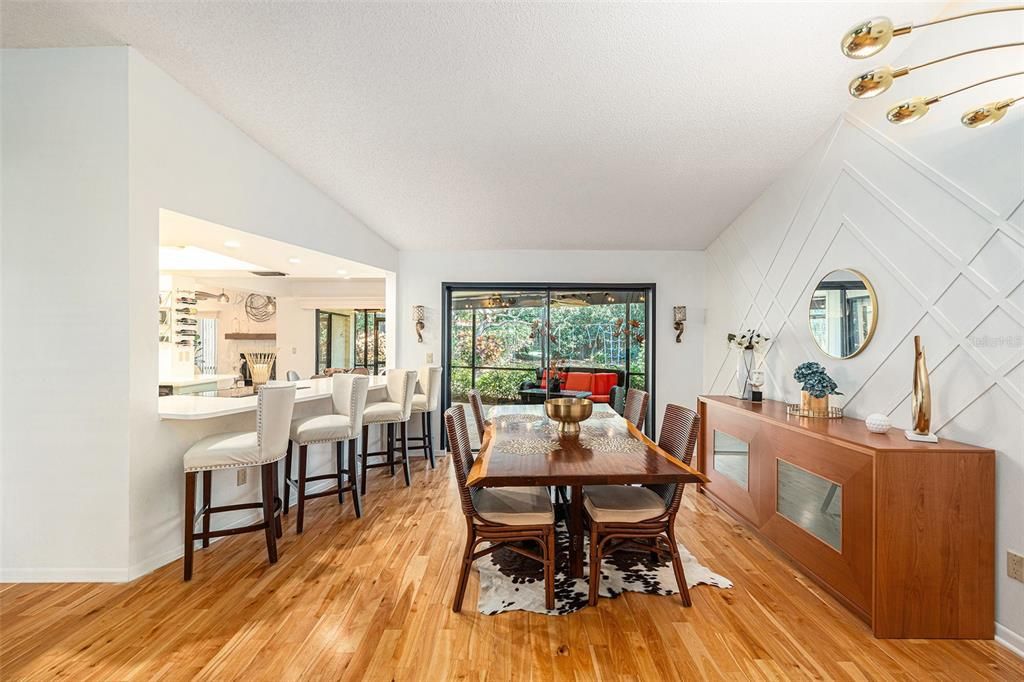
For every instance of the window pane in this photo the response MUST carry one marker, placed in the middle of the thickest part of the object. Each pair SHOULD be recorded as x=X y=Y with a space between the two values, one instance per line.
x=322 y=341
x=732 y=457
x=462 y=339
x=811 y=502
x=501 y=386
x=509 y=337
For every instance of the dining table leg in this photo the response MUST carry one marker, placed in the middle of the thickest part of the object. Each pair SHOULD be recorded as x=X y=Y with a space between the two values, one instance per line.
x=576 y=531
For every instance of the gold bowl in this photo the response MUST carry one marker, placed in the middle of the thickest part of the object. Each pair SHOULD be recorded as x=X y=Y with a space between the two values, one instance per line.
x=568 y=413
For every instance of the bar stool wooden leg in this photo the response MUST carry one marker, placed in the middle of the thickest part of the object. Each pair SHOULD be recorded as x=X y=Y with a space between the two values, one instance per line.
x=357 y=502
x=391 y=447
x=366 y=449
x=288 y=476
x=207 y=501
x=190 y=511
x=267 y=478
x=339 y=455
x=301 y=489
x=428 y=433
x=405 y=454
x=277 y=487
x=423 y=430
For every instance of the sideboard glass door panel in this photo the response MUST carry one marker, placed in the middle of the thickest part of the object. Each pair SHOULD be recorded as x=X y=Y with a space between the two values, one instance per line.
x=732 y=458
x=811 y=502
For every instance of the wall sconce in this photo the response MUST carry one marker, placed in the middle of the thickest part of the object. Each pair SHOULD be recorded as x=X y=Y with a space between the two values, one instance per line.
x=679 y=321
x=418 y=313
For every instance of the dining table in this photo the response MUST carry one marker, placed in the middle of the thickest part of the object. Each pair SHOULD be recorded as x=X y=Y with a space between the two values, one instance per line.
x=522 y=446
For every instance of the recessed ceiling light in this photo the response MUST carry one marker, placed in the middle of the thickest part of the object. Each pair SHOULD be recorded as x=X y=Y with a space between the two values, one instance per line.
x=294 y=260
x=232 y=244
x=342 y=272
x=348 y=276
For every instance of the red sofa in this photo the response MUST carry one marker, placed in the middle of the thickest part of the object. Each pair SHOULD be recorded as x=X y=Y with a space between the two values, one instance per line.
x=599 y=384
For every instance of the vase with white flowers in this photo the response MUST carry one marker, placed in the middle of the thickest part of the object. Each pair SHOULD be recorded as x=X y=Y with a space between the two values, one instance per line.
x=751 y=347
x=816 y=387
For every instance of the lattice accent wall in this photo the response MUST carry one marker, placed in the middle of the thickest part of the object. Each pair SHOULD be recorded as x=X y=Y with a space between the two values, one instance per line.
x=945 y=266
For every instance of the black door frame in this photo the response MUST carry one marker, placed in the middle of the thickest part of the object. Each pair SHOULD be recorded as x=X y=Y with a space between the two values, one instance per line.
x=648 y=288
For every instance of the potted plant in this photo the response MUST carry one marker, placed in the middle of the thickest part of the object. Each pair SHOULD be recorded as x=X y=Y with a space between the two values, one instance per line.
x=816 y=387
x=751 y=347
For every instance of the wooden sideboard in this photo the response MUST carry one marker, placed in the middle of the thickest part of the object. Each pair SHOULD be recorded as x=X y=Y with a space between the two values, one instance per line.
x=903 y=533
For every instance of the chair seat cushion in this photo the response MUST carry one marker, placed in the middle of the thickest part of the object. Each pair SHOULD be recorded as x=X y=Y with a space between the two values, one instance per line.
x=621 y=503
x=595 y=398
x=224 y=451
x=419 y=403
x=324 y=428
x=382 y=412
x=516 y=506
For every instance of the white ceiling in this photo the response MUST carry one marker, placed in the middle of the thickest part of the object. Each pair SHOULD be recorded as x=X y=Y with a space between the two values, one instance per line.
x=527 y=125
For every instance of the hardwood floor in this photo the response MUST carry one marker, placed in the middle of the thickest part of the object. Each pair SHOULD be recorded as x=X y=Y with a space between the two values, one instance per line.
x=371 y=599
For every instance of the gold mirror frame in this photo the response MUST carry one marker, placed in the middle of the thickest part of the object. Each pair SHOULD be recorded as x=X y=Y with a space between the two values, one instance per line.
x=874 y=313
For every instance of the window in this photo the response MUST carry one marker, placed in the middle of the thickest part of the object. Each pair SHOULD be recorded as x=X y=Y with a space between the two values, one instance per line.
x=206 y=346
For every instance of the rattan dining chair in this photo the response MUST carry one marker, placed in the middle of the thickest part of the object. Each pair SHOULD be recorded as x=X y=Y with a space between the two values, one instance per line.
x=636 y=407
x=477 y=403
x=642 y=517
x=499 y=516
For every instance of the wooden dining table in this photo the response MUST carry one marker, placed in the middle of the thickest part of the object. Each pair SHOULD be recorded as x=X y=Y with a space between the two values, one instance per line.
x=522 y=447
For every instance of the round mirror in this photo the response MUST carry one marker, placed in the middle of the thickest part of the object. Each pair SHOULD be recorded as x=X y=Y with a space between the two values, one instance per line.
x=843 y=313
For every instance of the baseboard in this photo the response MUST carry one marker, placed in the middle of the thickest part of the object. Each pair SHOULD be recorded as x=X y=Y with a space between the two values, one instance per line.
x=1009 y=639
x=136 y=570
x=64 y=575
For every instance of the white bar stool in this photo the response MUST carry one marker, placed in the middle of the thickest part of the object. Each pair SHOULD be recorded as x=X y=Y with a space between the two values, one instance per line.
x=396 y=409
x=424 y=405
x=263 y=448
x=348 y=394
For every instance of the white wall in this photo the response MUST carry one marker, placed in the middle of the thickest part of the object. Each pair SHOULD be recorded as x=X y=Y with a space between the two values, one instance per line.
x=96 y=141
x=65 y=314
x=678 y=276
x=931 y=213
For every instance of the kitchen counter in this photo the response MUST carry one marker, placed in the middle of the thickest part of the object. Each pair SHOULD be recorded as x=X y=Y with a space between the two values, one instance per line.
x=181 y=382
x=193 y=406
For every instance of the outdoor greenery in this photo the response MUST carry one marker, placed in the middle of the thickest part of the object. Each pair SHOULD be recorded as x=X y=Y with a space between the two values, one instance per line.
x=509 y=345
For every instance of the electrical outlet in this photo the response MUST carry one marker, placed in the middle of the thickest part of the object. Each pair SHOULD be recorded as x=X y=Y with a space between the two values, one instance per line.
x=430 y=358
x=240 y=476
x=1015 y=566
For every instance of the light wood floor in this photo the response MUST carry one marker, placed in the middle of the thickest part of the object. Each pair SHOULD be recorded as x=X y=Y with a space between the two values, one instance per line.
x=371 y=599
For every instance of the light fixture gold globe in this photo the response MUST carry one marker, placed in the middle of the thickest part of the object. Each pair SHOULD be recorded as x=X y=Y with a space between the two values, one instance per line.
x=986 y=115
x=910 y=110
x=870 y=37
x=874 y=82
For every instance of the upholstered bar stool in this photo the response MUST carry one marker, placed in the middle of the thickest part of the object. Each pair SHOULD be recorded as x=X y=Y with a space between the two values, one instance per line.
x=348 y=395
x=395 y=409
x=260 y=448
x=424 y=404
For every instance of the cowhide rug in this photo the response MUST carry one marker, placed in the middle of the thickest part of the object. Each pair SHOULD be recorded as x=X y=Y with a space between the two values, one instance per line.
x=512 y=582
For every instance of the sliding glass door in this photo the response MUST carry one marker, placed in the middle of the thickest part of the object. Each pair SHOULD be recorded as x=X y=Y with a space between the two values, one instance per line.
x=525 y=343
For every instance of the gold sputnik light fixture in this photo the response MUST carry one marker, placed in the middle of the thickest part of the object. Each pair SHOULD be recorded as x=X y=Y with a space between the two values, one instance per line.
x=916 y=107
x=988 y=114
x=876 y=81
x=870 y=37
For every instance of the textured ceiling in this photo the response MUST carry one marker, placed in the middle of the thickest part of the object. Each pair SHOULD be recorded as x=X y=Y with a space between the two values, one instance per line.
x=457 y=126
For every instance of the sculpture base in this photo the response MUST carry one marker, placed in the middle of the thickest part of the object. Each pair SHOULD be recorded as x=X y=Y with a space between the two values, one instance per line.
x=921 y=438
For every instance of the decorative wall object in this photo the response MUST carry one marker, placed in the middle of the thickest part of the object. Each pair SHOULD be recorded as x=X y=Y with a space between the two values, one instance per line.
x=921 y=399
x=843 y=313
x=870 y=37
x=816 y=387
x=418 y=315
x=679 y=321
x=260 y=308
x=878 y=423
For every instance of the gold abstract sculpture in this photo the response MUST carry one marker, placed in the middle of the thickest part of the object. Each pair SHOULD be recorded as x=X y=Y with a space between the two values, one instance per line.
x=921 y=400
x=260 y=365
